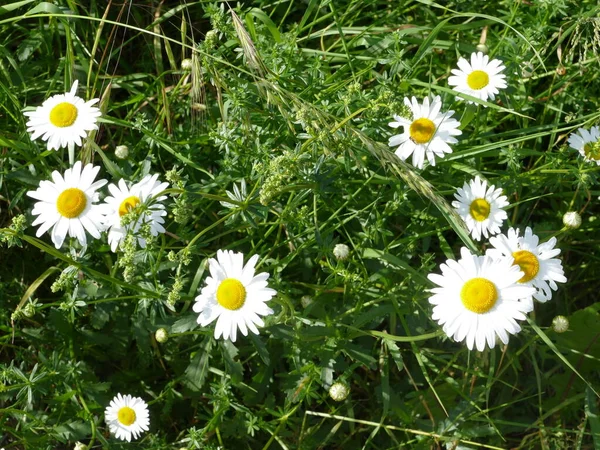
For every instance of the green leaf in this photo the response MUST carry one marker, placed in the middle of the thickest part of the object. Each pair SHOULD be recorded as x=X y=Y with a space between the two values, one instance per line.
x=12 y=6
x=184 y=324
x=196 y=372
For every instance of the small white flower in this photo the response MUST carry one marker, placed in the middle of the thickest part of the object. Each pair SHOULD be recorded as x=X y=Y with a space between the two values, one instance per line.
x=478 y=298
x=124 y=199
x=481 y=78
x=233 y=295
x=537 y=261
x=63 y=119
x=587 y=143
x=428 y=133
x=127 y=416
x=67 y=205
x=481 y=207
x=341 y=251
x=572 y=220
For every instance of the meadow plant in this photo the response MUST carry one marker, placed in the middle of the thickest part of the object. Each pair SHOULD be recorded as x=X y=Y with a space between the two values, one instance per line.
x=299 y=225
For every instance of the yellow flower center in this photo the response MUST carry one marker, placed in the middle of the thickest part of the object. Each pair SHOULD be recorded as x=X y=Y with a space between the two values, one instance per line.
x=592 y=150
x=422 y=130
x=528 y=263
x=71 y=202
x=478 y=79
x=480 y=209
x=479 y=295
x=231 y=294
x=63 y=115
x=128 y=204
x=126 y=416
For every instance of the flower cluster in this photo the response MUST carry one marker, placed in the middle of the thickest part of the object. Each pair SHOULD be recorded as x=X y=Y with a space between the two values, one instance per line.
x=481 y=298
x=70 y=205
x=428 y=131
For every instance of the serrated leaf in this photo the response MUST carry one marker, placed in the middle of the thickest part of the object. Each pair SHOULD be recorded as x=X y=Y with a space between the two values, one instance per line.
x=184 y=324
x=196 y=372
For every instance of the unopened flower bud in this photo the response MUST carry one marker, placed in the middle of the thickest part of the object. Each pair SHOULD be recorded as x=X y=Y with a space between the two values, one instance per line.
x=186 y=64
x=339 y=391
x=80 y=446
x=341 y=251
x=572 y=220
x=482 y=48
x=560 y=324
x=122 y=151
x=161 y=335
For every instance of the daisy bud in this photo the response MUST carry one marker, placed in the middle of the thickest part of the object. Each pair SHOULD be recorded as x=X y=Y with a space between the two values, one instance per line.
x=560 y=324
x=186 y=64
x=339 y=391
x=122 y=151
x=341 y=251
x=482 y=48
x=80 y=446
x=306 y=300
x=572 y=220
x=161 y=335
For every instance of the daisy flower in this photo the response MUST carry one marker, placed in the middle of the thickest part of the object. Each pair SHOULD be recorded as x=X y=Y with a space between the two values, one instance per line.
x=124 y=199
x=481 y=78
x=537 y=261
x=481 y=207
x=478 y=298
x=63 y=120
x=233 y=295
x=127 y=416
x=587 y=143
x=427 y=134
x=66 y=205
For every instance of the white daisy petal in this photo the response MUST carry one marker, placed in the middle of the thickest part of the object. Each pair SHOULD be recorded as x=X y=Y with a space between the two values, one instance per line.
x=67 y=205
x=63 y=119
x=127 y=417
x=428 y=133
x=541 y=270
x=140 y=197
x=481 y=306
x=587 y=143
x=481 y=78
x=233 y=295
x=480 y=207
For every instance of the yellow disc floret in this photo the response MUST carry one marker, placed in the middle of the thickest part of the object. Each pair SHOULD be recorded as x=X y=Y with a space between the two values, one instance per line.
x=128 y=204
x=126 y=416
x=479 y=295
x=528 y=263
x=422 y=130
x=480 y=209
x=71 y=202
x=478 y=79
x=231 y=294
x=63 y=115
x=592 y=150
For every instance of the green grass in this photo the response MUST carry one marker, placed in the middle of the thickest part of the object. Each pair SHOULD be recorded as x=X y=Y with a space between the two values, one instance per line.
x=294 y=98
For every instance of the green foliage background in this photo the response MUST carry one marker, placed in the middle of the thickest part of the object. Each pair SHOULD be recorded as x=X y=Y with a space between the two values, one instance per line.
x=293 y=98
